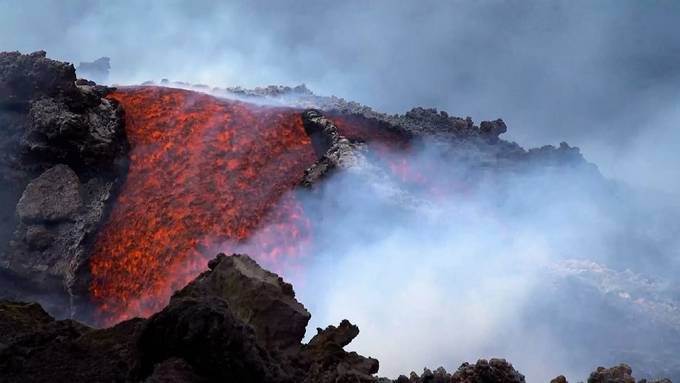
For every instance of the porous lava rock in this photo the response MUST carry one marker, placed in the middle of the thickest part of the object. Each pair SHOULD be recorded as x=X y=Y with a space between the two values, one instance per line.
x=211 y=332
x=52 y=197
x=258 y=298
x=491 y=371
x=34 y=347
x=64 y=154
x=617 y=374
x=333 y=150
x=330 y=363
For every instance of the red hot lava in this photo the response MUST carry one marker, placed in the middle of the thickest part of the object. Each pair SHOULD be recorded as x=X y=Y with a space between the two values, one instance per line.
x=203 y=172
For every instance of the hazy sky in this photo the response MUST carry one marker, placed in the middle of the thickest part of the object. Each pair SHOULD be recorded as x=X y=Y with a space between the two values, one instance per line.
x=603 y=75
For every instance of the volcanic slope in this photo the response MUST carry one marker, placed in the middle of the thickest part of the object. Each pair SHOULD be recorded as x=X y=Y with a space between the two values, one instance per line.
x=204 y=172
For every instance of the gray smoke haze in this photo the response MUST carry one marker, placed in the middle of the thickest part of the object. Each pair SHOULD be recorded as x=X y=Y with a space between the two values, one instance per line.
x=604 y=75
x=556 y=272
x=554 y=269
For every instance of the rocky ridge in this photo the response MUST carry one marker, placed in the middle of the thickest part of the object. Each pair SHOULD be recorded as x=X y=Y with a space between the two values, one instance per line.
x=63 y=155
x=235 y=322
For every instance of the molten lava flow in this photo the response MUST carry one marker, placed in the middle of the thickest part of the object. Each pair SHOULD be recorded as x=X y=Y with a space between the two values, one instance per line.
x=204 y=172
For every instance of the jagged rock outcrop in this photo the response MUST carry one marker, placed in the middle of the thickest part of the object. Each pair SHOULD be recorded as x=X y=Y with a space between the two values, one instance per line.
x=617 y=374
x=36 y=348
x=491 y=371
x=238 y=321
x=257 y=297
x=235 y=322
x=333 y=150
x=494 y=370
x=63 y=155
x=212 y=331
x=52 y=197
x=330 y=363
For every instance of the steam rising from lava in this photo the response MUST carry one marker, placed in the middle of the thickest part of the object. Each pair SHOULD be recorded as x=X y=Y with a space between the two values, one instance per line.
x=437 y=259
x=443 y=262
x=203 y=172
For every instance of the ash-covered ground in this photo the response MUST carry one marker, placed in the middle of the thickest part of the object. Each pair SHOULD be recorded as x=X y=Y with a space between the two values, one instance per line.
x=441 y=240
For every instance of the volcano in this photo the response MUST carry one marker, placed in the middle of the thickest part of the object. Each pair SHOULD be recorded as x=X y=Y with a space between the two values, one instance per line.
x=122 y=197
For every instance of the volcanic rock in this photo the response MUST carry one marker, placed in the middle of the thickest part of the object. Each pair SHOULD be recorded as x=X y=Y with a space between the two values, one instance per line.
x=53 y=196
x=40 y=349
x=618 y=374
x=239 y=322
x=205 y=333
x=333 y=150
x=63 y=154
x=492 y=129
x=492 y=371
x=258 y=298
x=330 y=363
x=24 y=78
x=210 y=332
x=19 y=319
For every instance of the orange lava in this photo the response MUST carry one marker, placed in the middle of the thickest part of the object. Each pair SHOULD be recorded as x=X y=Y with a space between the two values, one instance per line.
x=205 y=174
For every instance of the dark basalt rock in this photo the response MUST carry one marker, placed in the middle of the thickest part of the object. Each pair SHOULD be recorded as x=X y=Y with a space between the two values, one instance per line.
x=212 y=332
x=63 y=155
x=618 y=374
x=206 y=334
x=333 y=150
x=52 y=197
x=41 y=349
x=239 y=322
x=257 y=297
x=492 y=371
x=174 y=370
x=330 y=363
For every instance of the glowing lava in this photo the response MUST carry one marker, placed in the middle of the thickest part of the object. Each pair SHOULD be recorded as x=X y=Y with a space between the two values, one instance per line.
x=204 y=172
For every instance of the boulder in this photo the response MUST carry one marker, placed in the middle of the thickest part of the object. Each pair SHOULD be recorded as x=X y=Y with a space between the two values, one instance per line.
x=492 y=371
x=41 y=349
x=53 y=196
x=205 y=333
x=260 y=299
x=617 y=374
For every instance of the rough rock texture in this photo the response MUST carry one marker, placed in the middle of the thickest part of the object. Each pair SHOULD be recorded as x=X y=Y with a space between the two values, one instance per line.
x=210 y=332
x=38 y=348
x=52 y=197
x=258 y=298
x=618 y=374
x=491 y=371
x=494 y=370
x=325 y=350
x=63 y=154
x=333 y=150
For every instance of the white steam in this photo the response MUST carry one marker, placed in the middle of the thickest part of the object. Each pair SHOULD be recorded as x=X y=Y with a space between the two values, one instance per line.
x=539 y=266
